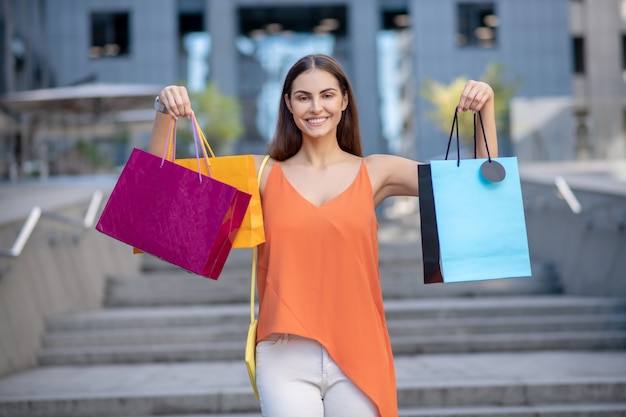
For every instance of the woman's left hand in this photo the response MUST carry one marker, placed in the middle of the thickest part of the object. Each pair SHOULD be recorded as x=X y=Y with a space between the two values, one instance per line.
x=474 y=97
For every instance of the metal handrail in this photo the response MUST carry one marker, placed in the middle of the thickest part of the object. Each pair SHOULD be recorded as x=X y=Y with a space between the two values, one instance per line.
x=567 y=194
x=36 y=213
x=24 y=234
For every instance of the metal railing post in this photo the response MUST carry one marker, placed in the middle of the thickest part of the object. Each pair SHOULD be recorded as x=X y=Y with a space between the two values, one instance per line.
x=24 y=235
x=36 y=213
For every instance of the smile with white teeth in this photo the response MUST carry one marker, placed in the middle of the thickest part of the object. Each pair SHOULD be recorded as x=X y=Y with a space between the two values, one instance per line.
x=317 y=121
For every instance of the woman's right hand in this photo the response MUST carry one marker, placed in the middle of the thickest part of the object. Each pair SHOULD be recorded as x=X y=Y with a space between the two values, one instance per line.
x=177 y=104
x=176 y=101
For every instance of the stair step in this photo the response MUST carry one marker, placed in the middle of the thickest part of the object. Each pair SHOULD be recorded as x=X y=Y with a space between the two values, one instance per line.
x=217 y=351
x=460 y=397
x=400 y=328
x=518 y=324
x=215 y=415
x=132 y=318
x=217 y=332
x=555 y=410
x=178 y=288
x=233 y=350
x=509 y=342
x=444 y=382
x=502 y=306
x=543 y=306
x=400 y=279
x=148 y=336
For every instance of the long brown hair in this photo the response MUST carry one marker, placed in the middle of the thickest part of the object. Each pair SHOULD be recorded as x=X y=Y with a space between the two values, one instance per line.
x=288 y=138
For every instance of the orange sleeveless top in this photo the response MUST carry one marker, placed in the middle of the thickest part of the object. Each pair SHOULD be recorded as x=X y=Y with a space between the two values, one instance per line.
x=318 y=278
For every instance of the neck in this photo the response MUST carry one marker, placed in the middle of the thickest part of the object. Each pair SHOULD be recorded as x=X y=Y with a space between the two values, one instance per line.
x=319 y=152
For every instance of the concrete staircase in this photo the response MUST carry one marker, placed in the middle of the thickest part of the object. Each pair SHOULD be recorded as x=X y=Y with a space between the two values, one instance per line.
x=171 y=344
x=215 y=332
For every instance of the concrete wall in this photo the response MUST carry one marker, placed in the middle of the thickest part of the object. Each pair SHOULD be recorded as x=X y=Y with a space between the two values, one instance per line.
x=586 y=250
x=153 y=57
x=602 y=87
x=61 y=269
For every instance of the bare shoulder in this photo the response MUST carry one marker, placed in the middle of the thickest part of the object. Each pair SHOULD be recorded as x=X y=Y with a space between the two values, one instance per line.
x=258 y=161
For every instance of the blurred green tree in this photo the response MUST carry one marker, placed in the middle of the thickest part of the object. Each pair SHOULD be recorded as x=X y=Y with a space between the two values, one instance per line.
x=445 y=97
x=219 y=117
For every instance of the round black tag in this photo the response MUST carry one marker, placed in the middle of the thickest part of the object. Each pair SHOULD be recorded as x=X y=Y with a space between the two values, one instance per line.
x=492 y=171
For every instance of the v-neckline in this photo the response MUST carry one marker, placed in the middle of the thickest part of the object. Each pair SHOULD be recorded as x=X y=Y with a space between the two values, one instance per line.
x=330 y=200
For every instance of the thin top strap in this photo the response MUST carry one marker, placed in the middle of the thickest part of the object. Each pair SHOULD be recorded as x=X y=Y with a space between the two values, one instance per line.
x=255 y=250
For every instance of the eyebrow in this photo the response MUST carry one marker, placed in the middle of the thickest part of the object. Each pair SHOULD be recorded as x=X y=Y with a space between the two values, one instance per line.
x=321 y=92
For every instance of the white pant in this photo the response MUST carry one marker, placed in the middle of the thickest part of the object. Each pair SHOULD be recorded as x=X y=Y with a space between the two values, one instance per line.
x=297 y=378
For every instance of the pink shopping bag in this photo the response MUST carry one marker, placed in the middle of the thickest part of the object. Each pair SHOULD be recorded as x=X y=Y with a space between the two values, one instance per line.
x=174 y=213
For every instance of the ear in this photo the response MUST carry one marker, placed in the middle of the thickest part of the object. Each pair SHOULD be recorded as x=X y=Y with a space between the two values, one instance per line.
x=288 y=103
x=344 y=104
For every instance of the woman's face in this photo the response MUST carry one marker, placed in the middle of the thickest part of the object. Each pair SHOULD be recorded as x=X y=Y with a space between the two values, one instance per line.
x=316 y=103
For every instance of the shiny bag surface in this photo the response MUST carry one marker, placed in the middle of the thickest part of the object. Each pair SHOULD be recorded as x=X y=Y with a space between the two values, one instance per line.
x=174 y=213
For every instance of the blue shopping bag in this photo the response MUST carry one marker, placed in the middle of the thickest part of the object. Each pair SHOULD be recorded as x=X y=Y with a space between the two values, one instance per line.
x=473 y=224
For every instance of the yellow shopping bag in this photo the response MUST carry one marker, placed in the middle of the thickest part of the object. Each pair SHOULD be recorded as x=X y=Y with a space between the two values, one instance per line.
x=238 y=171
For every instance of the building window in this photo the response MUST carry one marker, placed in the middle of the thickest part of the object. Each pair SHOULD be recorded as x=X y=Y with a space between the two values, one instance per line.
x=110 y=34
x=579 y=55
x=396 y=20
x=190 y=23
x=477 y=25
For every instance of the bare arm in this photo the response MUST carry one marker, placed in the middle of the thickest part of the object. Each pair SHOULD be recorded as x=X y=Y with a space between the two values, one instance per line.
x=396 y=176
x=392 y=176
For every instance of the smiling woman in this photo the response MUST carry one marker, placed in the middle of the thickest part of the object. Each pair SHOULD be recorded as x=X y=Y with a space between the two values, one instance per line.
x=322 y=344
x=313 y=90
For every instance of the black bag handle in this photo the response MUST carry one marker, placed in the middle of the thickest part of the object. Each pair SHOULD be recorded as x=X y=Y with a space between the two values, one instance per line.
x=491 y=170
x=455 y=124
x=455 y=128
x=482 y=127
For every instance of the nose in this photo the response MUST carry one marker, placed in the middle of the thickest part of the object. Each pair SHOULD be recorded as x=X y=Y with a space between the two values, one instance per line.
x=316 y=105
